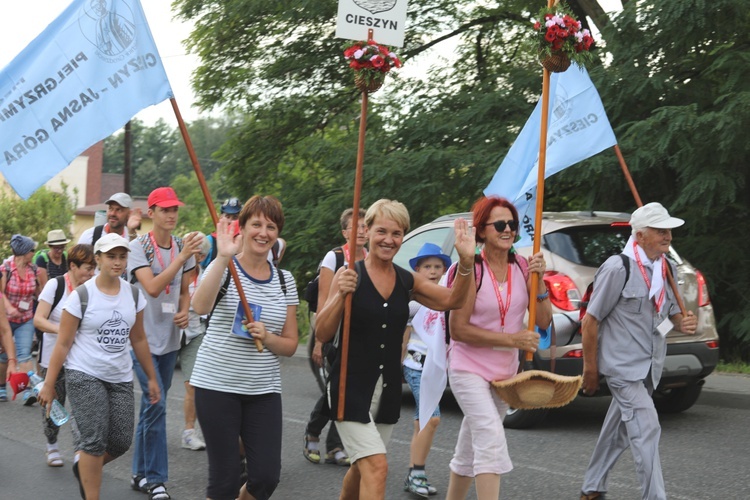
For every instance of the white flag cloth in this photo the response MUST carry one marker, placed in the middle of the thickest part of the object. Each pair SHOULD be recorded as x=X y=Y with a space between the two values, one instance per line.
x=430 y=326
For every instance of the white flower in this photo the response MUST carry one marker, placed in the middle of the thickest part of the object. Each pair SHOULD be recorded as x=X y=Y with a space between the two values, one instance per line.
x=358 y=54
x=579 y=36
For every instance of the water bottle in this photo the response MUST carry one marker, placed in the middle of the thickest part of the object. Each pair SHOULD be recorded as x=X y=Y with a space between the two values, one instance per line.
x=57 y=413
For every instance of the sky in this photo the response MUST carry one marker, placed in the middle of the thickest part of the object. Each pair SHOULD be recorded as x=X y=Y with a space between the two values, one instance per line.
x=22 y=24
x=23 y=21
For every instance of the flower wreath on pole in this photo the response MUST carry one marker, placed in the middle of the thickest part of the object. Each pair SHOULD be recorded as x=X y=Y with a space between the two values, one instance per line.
x=370 y=61
x=559 y=39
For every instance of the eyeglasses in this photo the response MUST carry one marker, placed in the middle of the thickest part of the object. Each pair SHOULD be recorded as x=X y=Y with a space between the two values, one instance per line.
x=362 y=227
x=57 y=247
x=501 y=224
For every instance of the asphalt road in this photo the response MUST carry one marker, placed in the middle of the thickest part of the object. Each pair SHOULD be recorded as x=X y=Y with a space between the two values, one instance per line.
x=704 y=450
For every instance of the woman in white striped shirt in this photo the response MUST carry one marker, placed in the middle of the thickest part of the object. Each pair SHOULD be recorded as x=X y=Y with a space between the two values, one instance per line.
x=238 y=388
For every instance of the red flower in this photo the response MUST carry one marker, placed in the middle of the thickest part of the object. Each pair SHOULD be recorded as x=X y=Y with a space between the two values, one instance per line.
x=377 y=61
x=557 y=44
x=537 y=25
x=550 y=36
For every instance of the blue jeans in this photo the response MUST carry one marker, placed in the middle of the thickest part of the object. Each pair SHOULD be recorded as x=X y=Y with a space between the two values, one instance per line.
x=23 y=337
x=150 y=451
x=414 y=379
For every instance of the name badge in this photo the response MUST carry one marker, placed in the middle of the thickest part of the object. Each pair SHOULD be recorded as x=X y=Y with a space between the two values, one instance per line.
x=168 y=308
x=23 y=305
x=665 y=327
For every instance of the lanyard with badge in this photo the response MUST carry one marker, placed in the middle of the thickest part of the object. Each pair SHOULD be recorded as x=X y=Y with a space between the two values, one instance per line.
x=166 y=307
x=503 y=307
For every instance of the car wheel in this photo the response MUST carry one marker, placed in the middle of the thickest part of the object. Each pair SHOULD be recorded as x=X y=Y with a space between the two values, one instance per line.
x=319 y=372
x=523 y=419
x=678 y=399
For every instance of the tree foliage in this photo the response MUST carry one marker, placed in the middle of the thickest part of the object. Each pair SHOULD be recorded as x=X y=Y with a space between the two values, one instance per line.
x=40 y=213
x=673 y=80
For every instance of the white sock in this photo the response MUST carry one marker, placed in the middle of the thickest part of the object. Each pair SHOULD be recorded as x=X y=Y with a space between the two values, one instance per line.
x=52 y=447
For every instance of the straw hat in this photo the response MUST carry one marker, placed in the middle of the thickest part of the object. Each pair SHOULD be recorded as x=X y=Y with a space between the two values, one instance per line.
x=534 y=389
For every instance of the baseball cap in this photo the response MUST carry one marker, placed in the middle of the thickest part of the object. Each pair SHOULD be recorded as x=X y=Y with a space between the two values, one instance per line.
x=109 y=241
x=18 y=381
x=164 y=197
x=654 y=215
x=122 y=199
x=231 y=206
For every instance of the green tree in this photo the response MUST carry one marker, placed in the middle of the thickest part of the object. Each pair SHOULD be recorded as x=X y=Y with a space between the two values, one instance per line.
x=41 y=212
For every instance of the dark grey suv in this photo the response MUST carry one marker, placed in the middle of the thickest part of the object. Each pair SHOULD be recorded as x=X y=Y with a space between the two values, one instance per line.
x=575 y=244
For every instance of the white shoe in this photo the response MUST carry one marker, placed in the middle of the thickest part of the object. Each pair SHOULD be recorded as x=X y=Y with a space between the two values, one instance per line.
x=191 y=441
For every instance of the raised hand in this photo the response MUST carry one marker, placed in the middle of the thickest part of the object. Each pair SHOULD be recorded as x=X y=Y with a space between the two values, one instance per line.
x=465 y=242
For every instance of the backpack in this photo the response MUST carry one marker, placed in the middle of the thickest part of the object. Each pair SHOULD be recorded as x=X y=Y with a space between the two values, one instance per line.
x=590 y=289
x=59 y=291
x=313 y=287
x=98 y=230
x=521 y=261
x=44 y=254
x=6 y=268
x=148 y=248
x=83 y=294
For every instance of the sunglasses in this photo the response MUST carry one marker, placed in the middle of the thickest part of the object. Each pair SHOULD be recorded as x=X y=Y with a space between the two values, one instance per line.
x=500 y=225
x=231 y=202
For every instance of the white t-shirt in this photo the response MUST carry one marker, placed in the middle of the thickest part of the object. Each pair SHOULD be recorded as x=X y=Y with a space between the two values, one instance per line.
x=101 y=346
x=230 y=363
x=158 y=320
x=50 y=339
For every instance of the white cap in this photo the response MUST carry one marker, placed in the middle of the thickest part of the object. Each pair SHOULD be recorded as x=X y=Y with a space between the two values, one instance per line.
x=109 y=241
x=122 y=199
x=654 y=215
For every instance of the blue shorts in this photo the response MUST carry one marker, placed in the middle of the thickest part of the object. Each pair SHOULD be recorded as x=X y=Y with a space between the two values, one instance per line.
x=414 y=378
x=23 y=336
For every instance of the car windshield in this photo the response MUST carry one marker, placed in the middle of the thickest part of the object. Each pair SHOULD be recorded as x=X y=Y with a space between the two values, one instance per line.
x=588 y=245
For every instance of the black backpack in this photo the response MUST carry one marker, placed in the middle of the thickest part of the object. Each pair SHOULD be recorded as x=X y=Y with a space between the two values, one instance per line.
x=312 y=288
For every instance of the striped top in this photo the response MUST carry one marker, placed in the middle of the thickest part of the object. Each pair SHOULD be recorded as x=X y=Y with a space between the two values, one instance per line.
x=229 y=363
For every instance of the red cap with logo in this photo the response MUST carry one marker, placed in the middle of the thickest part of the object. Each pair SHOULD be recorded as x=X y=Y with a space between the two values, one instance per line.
x=18 y=381
x=164 y=197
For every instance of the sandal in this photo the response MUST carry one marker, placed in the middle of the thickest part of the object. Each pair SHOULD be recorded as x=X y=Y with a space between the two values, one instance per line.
x=138 y=483
x=594 y=495
x=158 y=491
x=3 y=394
x=54 y=459
x=338 y=456
x=311 y=452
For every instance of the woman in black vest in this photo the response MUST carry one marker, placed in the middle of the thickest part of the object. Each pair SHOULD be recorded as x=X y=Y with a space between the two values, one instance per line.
x=380 y=309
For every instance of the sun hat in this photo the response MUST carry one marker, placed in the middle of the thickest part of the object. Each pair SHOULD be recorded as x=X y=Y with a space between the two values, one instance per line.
x=654 y=215
x=164 y=197
x=56 y=237
x=534 y=389
x=122 y=199
x=21 y=245
x=109 y=241
x=231 y=206
x=18 y=381
x=430 y=250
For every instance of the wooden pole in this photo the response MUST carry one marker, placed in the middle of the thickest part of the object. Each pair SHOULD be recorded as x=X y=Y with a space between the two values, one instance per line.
x=352 y=250
x=212 y=210
x=636 y=196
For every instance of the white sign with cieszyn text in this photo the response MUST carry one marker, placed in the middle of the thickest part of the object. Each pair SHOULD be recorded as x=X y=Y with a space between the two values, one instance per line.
x=387 y=19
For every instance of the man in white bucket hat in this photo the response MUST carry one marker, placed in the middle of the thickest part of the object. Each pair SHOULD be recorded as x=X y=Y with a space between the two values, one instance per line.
x=632 y=309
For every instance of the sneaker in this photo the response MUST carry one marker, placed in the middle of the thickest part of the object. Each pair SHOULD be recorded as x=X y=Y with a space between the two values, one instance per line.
x=3 y=394
x=338 y=456
x=417 y=484
x=311 y=451
x=191 y=441
x=157 y=491
x=28 y=398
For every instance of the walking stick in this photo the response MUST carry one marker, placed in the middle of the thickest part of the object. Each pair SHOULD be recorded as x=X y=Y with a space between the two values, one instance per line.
x=212 y=210
x=352 y=246
x=638 y=202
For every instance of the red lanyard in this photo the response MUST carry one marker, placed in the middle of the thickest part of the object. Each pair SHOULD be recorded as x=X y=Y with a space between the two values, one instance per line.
x=68 y=284
x=157 y=252
x=345 y=249
x=660 y=301
x=496 y=286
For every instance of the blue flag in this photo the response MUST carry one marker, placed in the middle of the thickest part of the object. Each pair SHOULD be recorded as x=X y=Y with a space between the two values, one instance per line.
x=79 y=81
x=578 y=128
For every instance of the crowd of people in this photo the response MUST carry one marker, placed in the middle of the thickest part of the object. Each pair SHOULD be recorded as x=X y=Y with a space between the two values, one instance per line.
x=121 y=306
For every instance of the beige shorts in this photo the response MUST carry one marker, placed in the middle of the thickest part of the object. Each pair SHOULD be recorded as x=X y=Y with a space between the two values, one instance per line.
x=364 y=440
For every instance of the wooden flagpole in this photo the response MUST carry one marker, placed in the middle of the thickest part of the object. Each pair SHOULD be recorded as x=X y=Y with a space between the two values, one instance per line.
x=352 y=250
x=631 y=184
x=212 y=210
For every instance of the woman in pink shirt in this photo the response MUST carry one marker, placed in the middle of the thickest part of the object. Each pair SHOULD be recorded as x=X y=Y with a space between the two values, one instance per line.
x=486 y=336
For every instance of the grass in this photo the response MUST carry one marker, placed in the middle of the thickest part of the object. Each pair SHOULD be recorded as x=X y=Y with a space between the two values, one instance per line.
x=733 y=367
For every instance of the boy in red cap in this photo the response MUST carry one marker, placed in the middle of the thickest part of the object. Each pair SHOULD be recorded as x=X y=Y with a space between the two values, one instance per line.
x=158 y=261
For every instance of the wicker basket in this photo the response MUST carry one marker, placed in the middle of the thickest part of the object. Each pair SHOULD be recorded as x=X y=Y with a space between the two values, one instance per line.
x=361 y=83
x=558 y=62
